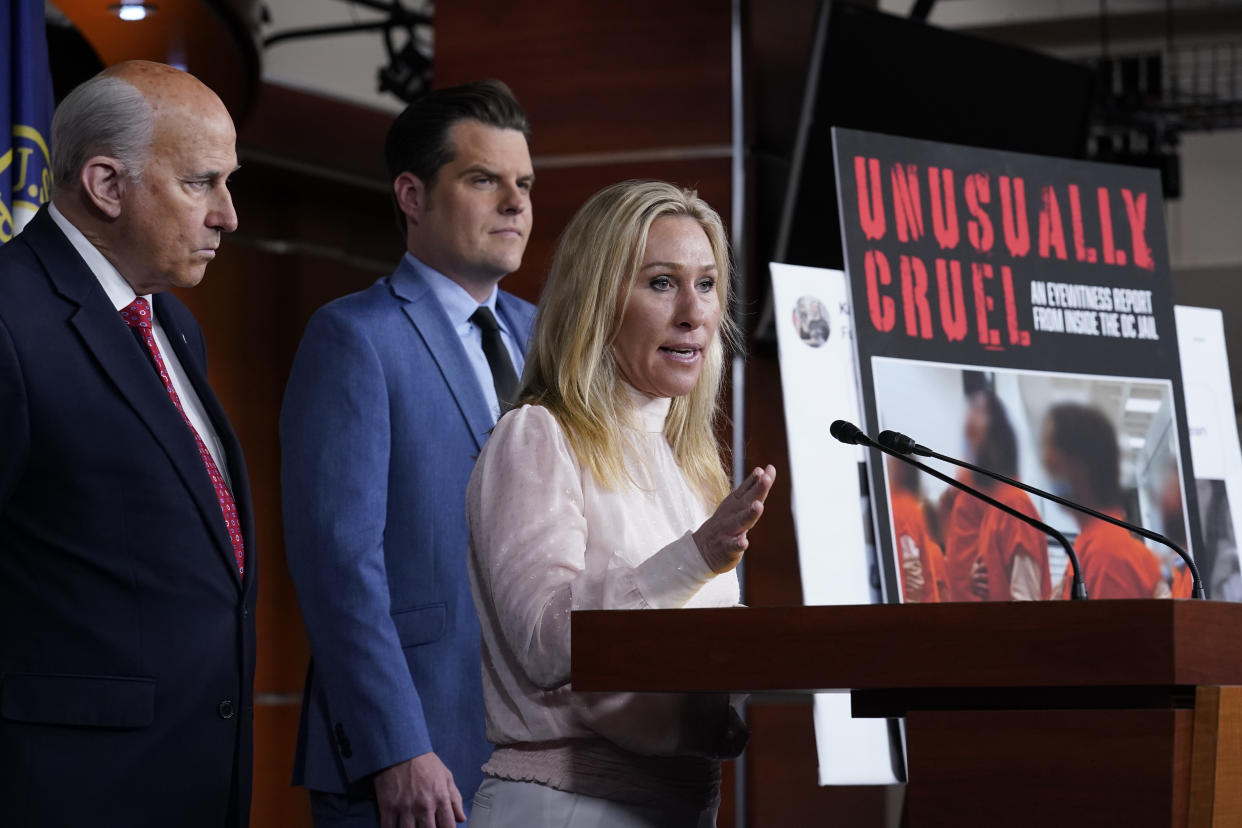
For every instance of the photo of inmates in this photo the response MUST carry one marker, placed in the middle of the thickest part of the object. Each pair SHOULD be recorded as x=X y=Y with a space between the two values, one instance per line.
x=915 y=528
x=1078 y=449
x=992 y=556
x=1106 y=443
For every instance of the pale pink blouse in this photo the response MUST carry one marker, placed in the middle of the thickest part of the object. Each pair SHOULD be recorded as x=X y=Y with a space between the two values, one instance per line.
x=545 y=539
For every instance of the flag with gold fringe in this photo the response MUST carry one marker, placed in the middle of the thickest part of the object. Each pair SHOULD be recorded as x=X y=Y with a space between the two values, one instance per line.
x=26 y=106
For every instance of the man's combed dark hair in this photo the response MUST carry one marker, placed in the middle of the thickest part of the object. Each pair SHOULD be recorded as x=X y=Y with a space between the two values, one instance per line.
x=1085 y=435
x=418 y=141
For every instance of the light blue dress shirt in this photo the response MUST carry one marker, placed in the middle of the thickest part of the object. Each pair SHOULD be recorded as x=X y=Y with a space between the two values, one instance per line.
x=460 y=306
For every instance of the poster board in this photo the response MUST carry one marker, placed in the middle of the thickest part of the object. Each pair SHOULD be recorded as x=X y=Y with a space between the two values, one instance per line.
x=1010 y=289
x=1214 y=448
x=837 y=561
x=835 y=557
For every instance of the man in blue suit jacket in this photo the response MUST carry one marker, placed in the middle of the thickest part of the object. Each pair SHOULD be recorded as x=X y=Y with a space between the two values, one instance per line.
x=392 y=395
x=126 y=593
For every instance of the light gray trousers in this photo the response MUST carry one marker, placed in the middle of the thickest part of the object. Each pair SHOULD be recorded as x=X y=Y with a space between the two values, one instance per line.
x=501 y=803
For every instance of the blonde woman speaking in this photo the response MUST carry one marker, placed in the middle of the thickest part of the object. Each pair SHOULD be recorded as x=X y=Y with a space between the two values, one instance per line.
x=606 y=490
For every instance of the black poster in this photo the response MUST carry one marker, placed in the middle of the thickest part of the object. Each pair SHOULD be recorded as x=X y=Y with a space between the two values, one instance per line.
x=1015 y=311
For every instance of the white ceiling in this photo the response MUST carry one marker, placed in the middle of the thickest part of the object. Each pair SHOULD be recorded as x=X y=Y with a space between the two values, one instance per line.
x=340 y=66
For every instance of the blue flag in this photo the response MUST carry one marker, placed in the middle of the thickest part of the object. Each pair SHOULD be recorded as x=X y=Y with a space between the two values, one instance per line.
x=26 y=105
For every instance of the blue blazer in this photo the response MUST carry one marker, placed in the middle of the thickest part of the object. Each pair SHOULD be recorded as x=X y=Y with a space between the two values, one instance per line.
x=126 y=635
x=382 y=421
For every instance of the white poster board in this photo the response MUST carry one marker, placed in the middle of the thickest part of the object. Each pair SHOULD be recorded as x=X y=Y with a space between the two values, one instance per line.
x=817 y=377
x=1214 y=447
x=816 y=350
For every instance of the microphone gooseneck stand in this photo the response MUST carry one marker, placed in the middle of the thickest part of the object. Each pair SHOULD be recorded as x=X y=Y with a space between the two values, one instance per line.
x=904 y=445
x=847 y=432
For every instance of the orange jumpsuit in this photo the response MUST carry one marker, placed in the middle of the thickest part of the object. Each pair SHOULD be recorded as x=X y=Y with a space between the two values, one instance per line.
x=961 y=544
x=1182 y=584
x=1002 y=537
x=912 y=540
x=979 y=530
x=1114 y=563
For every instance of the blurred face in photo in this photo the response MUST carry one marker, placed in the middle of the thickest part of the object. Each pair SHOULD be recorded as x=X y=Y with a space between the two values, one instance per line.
x=1063 y=473
x=673 y=310
x=977 y=423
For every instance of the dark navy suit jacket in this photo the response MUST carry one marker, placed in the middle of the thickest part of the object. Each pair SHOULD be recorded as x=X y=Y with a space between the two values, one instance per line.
x=382 y=421
x=126 y=634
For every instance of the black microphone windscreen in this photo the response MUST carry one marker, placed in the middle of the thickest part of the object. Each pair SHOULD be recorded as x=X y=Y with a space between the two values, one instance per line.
x=846 y=432
x=897 y=441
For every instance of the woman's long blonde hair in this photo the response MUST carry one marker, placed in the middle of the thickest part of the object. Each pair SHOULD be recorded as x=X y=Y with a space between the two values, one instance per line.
x=571 y=369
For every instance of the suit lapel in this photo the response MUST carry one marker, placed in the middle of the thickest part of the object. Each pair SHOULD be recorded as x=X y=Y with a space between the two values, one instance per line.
x=130 y=369
x=519 y=316
x=123 y=361
x=232 y=448
x=433 y=325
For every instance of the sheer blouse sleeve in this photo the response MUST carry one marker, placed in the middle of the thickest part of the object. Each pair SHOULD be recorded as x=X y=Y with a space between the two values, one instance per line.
x=529 y=532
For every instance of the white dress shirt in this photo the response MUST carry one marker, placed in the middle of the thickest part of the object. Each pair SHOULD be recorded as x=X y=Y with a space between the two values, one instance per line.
x=121 y=294
x=460 y=306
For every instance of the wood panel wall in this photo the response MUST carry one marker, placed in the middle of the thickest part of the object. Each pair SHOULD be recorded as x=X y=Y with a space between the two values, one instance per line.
x=303 y=240
x=614 y=90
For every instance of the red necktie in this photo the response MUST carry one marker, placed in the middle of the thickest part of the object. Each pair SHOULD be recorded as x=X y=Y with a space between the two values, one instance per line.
x=138 y=316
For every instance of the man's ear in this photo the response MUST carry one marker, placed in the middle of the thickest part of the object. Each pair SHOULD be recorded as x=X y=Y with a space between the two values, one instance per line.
x=103 y=183
x=411 y=195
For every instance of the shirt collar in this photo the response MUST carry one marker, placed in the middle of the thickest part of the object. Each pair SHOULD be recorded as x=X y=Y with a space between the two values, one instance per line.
x=119 y=291
x=456 y=301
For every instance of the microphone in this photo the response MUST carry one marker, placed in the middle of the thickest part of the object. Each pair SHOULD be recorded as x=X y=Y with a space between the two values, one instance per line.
x=899 y=442
x=906 y=445
x=847 y=432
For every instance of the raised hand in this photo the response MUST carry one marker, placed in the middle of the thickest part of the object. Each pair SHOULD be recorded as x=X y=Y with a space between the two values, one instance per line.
x=722 y=537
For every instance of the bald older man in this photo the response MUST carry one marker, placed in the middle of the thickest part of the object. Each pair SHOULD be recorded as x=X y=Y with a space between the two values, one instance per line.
x=127 y=566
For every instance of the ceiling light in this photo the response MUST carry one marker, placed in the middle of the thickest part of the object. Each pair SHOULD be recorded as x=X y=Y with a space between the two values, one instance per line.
x=1143 y=405
x=131 y=11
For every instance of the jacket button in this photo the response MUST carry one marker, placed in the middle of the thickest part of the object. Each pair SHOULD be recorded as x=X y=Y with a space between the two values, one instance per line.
x=226 y=710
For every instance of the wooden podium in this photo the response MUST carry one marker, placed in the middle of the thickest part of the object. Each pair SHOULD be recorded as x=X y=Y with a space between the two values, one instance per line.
x=1108 y=713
